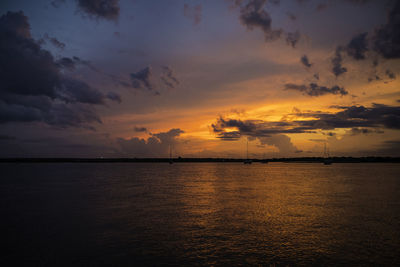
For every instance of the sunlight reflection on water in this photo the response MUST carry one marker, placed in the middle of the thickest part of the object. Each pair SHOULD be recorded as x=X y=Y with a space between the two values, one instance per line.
x=201 y=213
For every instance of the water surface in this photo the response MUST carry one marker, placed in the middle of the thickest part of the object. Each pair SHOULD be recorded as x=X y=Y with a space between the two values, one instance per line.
x=121 y=214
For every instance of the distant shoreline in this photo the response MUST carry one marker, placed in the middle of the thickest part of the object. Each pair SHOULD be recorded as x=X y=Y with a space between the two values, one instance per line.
x=199 y=160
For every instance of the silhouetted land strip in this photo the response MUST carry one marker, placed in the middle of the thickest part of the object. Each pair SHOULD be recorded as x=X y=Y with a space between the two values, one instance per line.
x=116 y=160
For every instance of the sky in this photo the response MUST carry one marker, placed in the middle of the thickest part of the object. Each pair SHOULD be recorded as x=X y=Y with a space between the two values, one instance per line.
x=134 y=78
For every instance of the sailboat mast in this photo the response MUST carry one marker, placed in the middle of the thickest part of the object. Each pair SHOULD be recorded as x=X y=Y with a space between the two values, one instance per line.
x=247 y=160
x=247 y=150
x=327 y=158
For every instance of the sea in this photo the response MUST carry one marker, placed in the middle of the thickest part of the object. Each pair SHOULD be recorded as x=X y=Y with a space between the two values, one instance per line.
x=200 y=214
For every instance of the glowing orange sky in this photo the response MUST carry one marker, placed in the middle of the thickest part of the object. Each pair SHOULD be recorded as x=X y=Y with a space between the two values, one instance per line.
x=188 y=67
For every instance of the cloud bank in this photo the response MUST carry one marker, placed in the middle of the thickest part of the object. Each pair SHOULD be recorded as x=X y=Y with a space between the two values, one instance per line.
x=314 y=89
x=35 y=86
x=157 y=145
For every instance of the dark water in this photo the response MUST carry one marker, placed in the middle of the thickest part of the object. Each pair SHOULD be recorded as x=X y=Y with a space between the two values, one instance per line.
x=199 y=214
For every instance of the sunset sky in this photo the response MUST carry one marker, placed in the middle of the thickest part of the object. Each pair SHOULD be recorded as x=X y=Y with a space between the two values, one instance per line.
x=130 y=78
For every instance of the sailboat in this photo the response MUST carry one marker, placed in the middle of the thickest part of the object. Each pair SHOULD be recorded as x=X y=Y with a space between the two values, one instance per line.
x=327 y=159
x=247 y=160
x=170 y=155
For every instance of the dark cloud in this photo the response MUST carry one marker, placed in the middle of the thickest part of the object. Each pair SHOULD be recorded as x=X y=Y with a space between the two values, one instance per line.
x=271 y=133
x=168 y=77
x=34 y=87
x=358 y=131
x=193 y=13
x=55 y=42
x=20 y=113
x=66 y=63
x=114 y=97
x=292 y=38
x=97 y=9
x=377 y=116
x=15 y=24
x=25 y=67
x=105 y=9
x=242 y=126
x=157 y=145
x=59 y=114
x=314 y=89
x=360 y=119
x=41 y=103
x=142 y=79
x=229 y=136
x=357 y=118
x=386 y=39
x=168 y=137
x=72 y=63
x=390 y=74
x=252 y=128
x=304 y=60
x=373 y=73
x=358 y=46
x=73 y=115
x=374 y=78
x=140 y=129
x=253 y=15
x=329 y=134
x=337 y=68
x=26 y=108
x=73 y=90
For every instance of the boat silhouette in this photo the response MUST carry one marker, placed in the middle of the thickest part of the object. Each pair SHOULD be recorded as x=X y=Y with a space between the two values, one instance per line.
x=247 y=160
x=327 y=159
x=170 y=155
